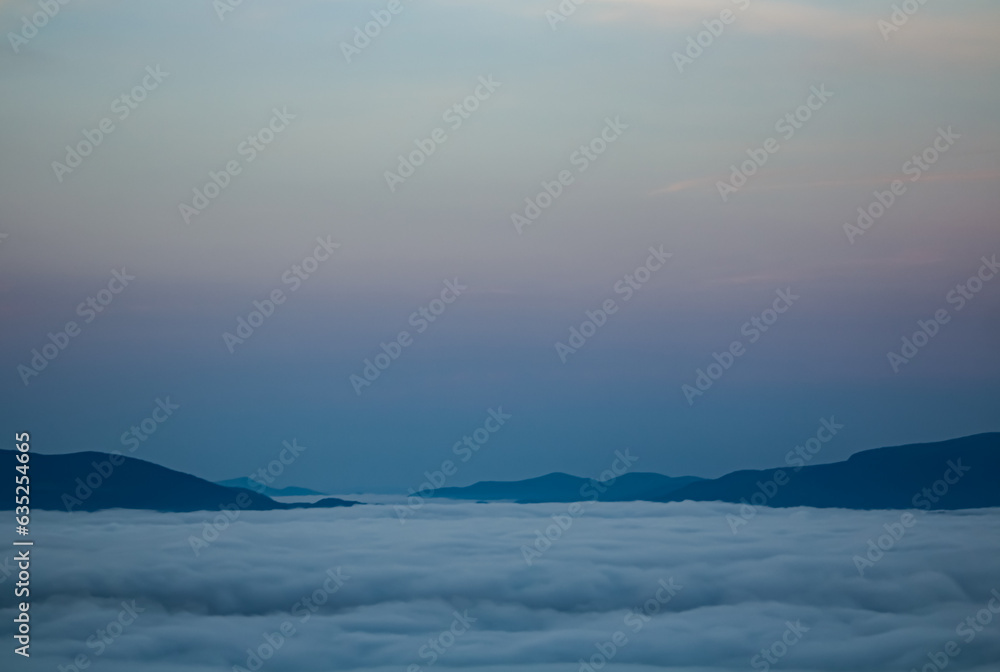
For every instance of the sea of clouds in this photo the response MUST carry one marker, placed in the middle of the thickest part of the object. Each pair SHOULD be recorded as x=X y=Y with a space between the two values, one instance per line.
x=402 y=585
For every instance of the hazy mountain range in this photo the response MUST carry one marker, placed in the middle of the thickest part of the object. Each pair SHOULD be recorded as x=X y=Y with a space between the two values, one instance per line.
x=92 y=481
x=249 y=484
x=954 y=474
x=559 y=487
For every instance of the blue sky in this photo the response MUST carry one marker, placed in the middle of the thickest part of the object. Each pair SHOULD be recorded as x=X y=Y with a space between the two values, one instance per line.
x=656 y=184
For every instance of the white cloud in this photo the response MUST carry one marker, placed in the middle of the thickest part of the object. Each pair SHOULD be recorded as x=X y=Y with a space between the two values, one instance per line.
x=738 y=591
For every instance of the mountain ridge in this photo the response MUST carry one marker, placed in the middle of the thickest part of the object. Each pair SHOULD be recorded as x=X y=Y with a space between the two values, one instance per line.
x=93 y=481
x=944 y=475
x=893 y=477
x=247 y=483
x=563 y=487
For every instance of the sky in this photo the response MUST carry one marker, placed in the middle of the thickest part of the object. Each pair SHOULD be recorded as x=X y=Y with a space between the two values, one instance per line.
x=338 y=121
x=362 y=592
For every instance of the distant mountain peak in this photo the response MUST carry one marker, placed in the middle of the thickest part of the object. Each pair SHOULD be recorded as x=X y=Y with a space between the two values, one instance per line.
x=895 y=477
x=561 y=487
x=249 y=484
x=91 y=481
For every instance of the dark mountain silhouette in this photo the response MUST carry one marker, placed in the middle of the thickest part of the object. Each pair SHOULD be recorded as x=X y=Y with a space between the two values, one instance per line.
x=883 y=478
x=92 y=481
x=559 y=487
x=900 y=477
x=954 y=474
x=248 y=484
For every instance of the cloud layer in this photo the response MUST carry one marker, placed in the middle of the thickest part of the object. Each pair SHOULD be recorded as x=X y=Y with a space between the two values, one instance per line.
x=406 y=582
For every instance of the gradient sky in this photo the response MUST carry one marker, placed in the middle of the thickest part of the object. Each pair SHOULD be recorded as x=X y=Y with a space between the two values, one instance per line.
x=494 y=347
